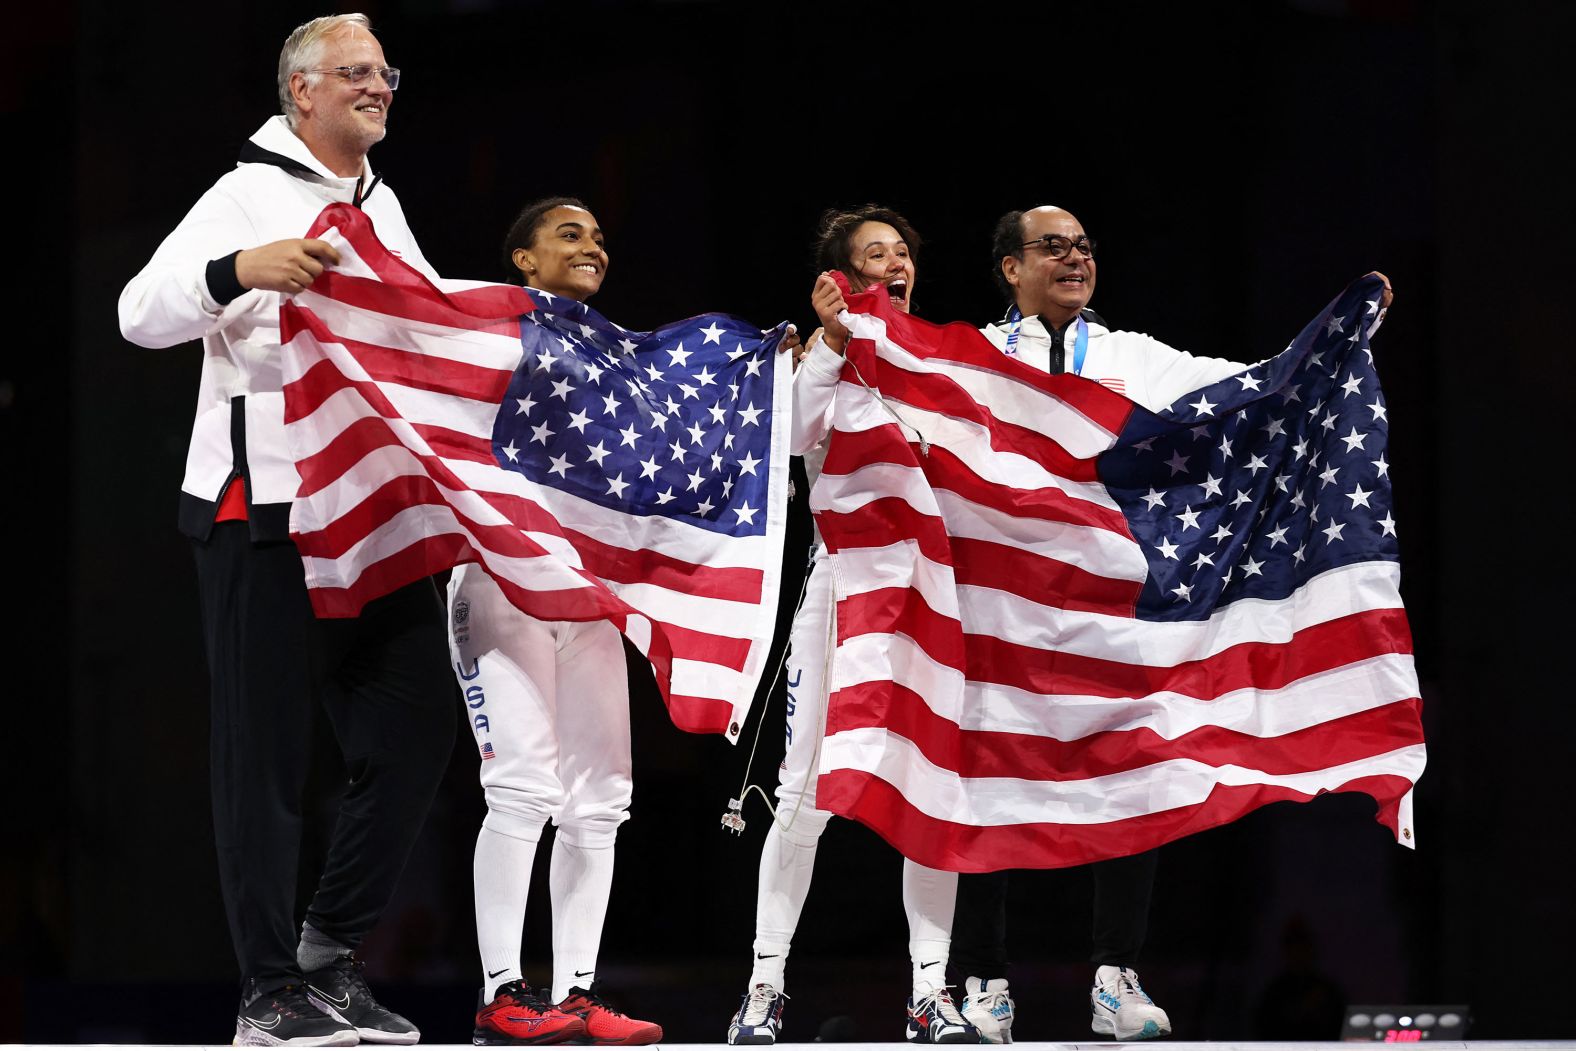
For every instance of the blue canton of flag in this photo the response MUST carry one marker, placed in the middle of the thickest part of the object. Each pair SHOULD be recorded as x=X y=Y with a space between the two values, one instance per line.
x=674 y=422
x=1248 y=488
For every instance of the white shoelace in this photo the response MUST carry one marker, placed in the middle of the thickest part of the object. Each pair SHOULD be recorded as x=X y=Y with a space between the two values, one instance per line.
x=991 y=1001
x=945 y=1007
x=1127 y=980
x=759 y=1005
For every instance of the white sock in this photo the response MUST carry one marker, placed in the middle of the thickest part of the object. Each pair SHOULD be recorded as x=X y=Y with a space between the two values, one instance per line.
x=786 y=867
x=502 y=877
x=929 y=896
x=581 y=879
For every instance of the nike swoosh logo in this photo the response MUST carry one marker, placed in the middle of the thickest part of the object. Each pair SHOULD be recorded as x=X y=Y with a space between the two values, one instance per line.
x=259 y=1023
x=932 y=963
x=582 y=974
x=494 y=974
x=340 y=1003
x=766 y=956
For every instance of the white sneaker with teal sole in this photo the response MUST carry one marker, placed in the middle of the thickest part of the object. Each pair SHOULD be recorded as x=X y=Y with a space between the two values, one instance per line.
x=1120 y=1008
x=989 y=1008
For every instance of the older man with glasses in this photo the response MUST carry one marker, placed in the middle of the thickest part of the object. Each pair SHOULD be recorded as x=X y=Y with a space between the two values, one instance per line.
x=1045 y=266
x=382 y=677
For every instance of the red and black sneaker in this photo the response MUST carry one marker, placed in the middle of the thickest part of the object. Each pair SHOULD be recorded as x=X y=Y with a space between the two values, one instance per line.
x=604 y=1023
x=517 y=1016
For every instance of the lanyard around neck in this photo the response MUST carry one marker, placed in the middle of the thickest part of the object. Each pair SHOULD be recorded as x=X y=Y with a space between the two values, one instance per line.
x=1080 y=339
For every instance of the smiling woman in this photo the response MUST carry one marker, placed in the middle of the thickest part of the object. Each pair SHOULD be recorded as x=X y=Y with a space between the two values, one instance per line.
x=549 y=702
x=557 y=246
x=868 y=246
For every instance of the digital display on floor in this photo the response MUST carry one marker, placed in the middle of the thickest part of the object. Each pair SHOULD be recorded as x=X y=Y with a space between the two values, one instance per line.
x=1405 y=1023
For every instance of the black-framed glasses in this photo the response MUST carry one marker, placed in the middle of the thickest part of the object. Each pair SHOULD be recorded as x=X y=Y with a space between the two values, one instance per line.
x=359 y=75
x=1057 y=246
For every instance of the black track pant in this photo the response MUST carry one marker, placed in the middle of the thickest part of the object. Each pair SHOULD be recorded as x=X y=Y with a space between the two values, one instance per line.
x=383 y=679
x=1122 y=889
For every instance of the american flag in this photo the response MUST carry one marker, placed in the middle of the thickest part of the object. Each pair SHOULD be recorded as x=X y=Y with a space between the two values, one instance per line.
x=594 y=472
x=1071 y=629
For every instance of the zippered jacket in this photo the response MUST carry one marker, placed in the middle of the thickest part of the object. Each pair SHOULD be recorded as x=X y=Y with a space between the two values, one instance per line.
x=189 y=291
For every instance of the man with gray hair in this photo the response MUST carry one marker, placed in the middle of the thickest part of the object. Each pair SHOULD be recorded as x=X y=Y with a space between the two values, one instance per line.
x=382 y=678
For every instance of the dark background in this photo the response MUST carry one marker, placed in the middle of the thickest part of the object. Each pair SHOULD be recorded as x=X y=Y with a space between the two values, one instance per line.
x=1239 y=163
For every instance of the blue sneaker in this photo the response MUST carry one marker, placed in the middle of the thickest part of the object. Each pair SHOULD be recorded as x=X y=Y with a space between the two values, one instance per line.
x=934 y=1019
x=989 y=1008
x=1120 y=1008
x=759 y=1018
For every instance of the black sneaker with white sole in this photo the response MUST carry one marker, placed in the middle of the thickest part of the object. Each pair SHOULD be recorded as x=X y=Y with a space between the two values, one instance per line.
x=286 y=1017
x=340 y=990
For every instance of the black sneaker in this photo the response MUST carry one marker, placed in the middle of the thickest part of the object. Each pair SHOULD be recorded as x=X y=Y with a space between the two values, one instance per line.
x=340 y=990
x=287 y=1016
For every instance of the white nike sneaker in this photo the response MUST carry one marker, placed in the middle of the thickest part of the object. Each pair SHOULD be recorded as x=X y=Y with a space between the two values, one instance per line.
x=989 y=1008
x=1119 y=1007
x=934 y=1019
x=759 y=1018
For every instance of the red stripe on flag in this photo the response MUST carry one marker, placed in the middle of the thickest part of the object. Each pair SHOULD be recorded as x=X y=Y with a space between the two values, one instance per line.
x=963 y=848
x=883 y=522
x=693 y=644
x=684 y=642
x=455 y=445
x=961 y=343
x=352 y=444
x=943 y=469
x=646 y=566
x=488 y=302
x=1260 y=665
x=371 y=431
x=941 y=394
x=404 y=492
x=306 y=393
x=347 y=448
x=946 y=471
x=700 y=715
x=984 y=563
x=421 y=304
x=902 y=611
x=884 y=444
x=383 y=365
x=1030 y=757
x=431 y=554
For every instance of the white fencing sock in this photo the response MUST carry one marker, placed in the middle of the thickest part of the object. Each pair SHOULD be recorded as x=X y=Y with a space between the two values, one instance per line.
x=502 y=876
x=582 y=880
x=929 y=896
x=787 y=863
